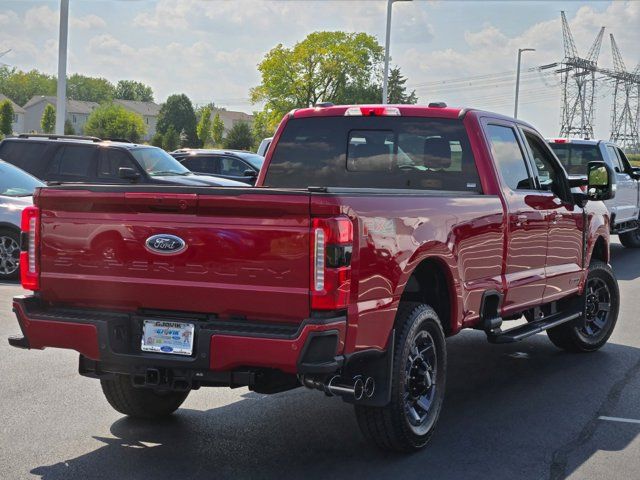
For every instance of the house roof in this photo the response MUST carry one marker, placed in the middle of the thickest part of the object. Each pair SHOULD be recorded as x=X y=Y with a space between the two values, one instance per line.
x=73 y=106
x=232 y=115
x=143 y=108
x=16 y=108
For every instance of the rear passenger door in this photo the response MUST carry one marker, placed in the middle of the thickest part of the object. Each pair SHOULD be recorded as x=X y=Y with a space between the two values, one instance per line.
x=73 y=163
x=565 y=220
x=527 y=230
x=626 y=187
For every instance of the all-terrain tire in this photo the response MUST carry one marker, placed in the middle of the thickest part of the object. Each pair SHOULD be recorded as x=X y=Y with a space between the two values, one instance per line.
x=392 y=427
x=140 y=402
x=630 y=239
x=592 y=330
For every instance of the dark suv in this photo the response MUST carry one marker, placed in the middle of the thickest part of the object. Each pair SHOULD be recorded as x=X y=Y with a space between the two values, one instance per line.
x=232 y=164
x=66 y=158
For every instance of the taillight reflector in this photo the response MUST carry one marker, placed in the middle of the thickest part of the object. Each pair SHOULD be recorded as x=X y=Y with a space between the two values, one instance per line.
x=29 y=262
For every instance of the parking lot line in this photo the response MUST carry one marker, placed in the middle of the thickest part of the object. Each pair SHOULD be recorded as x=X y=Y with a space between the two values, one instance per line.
x=618 y=419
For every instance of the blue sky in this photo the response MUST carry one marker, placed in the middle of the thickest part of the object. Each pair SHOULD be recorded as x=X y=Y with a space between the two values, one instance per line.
x=209 y=49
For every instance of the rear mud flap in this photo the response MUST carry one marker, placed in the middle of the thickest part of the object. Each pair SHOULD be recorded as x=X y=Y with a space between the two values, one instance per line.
x=377 y=365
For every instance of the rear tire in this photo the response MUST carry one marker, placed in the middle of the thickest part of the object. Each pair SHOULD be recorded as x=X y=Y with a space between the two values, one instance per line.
x=419 y=375
x=630 y=239
x=9 y=254
x=140 y=402
x=602 y=303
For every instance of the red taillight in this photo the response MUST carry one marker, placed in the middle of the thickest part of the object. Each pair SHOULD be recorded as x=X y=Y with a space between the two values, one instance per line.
x=331 y=245
x=29 y=262
x=561 y=140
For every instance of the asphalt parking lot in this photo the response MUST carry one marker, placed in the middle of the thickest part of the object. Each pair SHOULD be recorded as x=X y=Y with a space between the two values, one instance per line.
x=526 y=411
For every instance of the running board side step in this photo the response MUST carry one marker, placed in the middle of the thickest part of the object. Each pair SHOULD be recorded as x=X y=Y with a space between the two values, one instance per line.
x=528 y=329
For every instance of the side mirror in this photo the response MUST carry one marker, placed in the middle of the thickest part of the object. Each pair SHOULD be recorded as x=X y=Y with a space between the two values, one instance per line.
x=128 y=173
x=601 y=184
x=250 y=173
x=635 y=173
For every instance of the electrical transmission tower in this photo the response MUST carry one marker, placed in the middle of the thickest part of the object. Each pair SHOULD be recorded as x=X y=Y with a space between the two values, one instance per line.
x=625 y=114
x=578 y=79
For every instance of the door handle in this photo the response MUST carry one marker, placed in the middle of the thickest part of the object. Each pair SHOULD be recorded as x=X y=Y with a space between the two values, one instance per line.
x=521 y=220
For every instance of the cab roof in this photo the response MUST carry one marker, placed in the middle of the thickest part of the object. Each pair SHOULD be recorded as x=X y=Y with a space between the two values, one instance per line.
x=440 y=111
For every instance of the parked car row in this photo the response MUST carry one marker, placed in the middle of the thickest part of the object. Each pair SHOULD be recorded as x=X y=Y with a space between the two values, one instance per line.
x=29 y=160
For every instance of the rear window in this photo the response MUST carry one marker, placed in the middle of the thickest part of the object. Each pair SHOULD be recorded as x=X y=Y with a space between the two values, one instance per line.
x=575 y=157
x=28 y=156
x=374 y=152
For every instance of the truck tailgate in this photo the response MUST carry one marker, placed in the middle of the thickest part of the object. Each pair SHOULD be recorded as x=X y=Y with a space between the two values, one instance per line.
x=246 y=253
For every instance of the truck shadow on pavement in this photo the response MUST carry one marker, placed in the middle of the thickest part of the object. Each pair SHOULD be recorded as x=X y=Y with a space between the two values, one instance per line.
x=624 y=262
x=521 y=411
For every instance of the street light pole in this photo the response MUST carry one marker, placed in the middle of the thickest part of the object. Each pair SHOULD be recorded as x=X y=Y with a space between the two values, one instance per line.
x=387 y=41
x=61 y=102
x=520 y=50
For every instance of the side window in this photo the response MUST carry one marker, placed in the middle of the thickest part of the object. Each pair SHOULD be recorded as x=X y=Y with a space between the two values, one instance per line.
x=202 y=164
x=615 y=159
x=232 y=167
x=73 y=161
x=509 y=157
x=29 y=156
x=549 y=172
x=110 y=162
x=623 y=160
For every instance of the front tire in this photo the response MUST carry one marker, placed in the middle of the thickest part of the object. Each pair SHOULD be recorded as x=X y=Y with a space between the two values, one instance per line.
x=630 y=239
x=418 y=382
x=602 y=303
x=140 y=402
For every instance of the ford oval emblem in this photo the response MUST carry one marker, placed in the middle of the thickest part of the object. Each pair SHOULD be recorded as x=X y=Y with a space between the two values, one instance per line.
x=165 y=244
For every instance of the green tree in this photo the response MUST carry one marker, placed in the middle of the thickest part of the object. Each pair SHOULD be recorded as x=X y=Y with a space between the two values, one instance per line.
x=260 y=128
x=68 y=128
x=157 y=140
x=239 y=137
x=48 y=120
x=204 y=126
x=170 y=140
x=132 y=90
x=316 y=69
x=90 y=89
x=397 y=92
x=177 y=112
x=217 y=130
x=6 y=117
x=114 y=121
x=20 y=86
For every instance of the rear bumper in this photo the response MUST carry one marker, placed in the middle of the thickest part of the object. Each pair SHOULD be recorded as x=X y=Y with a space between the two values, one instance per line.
x=111 y=340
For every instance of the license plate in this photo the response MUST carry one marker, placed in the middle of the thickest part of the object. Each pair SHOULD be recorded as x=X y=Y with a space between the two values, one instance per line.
x=162 y=336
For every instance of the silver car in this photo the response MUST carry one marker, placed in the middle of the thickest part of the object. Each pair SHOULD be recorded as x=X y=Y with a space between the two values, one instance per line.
x=16 y=189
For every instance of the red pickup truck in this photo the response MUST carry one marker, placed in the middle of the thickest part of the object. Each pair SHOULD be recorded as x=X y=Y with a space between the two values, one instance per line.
x=374 y=232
